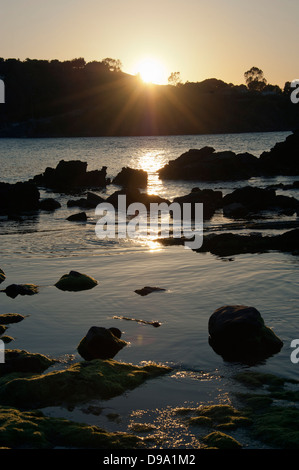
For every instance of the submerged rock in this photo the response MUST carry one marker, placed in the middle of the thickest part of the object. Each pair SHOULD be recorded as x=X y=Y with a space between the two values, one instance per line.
x=238 y=333
x=79 y=383
x=101 y=343
x=13 y=290
x=17 y=360
x=148 y=290
x=75 y=281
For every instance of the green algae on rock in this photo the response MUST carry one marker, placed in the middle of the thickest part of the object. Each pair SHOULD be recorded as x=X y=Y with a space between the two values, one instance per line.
x=79 y=383
x=32 y=429
x=219 y=440
x=273 y=423
x=17 y=360
x=75 y=281
x=219 y=416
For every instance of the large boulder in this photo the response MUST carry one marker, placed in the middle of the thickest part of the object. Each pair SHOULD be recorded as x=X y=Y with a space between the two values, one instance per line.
x=101 y=343
x=131 y=178
x=238 y=333
x=207 y=165
x=71 y=175
x=18 y=197
x=282 y=159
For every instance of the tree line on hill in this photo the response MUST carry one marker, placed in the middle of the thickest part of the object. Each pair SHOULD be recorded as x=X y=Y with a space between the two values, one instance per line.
x=75 y=98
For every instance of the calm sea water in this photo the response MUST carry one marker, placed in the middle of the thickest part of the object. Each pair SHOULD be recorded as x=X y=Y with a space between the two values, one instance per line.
x=39 y=249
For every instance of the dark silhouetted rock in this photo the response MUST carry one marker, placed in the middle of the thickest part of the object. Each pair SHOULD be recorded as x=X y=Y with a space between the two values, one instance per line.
x=18 y=197
x=49 y=204
x=250 y=199
x=2 y=276
x=148 y=290
x=134 y=195
x=70 y=175
x=93 y=199
x=207 y=165
x=100 y=343
x=238 y=333
x=14 y=290
x=7 y=318
x=282 y=159
x=131 y=178
x=211 y=200
x=80 y=217
x=75 y=281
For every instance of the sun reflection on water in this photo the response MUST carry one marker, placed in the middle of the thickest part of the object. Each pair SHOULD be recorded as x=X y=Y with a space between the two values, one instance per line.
x=152 y=161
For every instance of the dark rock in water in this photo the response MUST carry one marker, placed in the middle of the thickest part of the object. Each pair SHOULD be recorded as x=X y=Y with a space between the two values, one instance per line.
x=134 y=195
x=3 y=328
x=80 y=217
x=282 y=159
x=100 y=343
x=75 y=281
x=18 y=197
x=131 y=178
x=2 y=276
x=238 y=333
x=17 y=360
x=207 y=165
x=250 y=199
x=70 y=175
x=93 y=199
x=227 y=244
x=49 y=204
x=148 y=290
x=7 y=318
x=211 y=200
x=14 y=290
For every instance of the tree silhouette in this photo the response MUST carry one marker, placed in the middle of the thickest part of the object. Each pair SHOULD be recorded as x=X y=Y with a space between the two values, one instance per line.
x=255 y=79
x=174 y=78
x=114 y=65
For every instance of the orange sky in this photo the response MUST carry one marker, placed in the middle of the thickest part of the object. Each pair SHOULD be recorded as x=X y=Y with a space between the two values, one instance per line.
x=200 y=39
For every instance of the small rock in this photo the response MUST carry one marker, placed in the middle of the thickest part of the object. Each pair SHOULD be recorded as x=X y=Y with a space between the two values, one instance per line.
x=2 y=276
x=49 y=204
x=21 y=289
x=75 y=281
x=6 y=318
x=80 y=217
x=148 y=290
x=2 y=329
x=100 y=343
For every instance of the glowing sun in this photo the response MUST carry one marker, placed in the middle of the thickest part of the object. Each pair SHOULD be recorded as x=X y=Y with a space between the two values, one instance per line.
x=151 y=71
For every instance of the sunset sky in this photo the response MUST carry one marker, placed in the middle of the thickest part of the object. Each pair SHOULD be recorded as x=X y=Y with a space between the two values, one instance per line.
x=199 y=38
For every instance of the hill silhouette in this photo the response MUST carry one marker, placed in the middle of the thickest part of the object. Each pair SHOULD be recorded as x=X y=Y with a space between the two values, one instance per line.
x=74 y=98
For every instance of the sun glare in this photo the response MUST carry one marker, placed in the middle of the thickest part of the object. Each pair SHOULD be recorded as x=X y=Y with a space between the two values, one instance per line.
x=151 y=71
